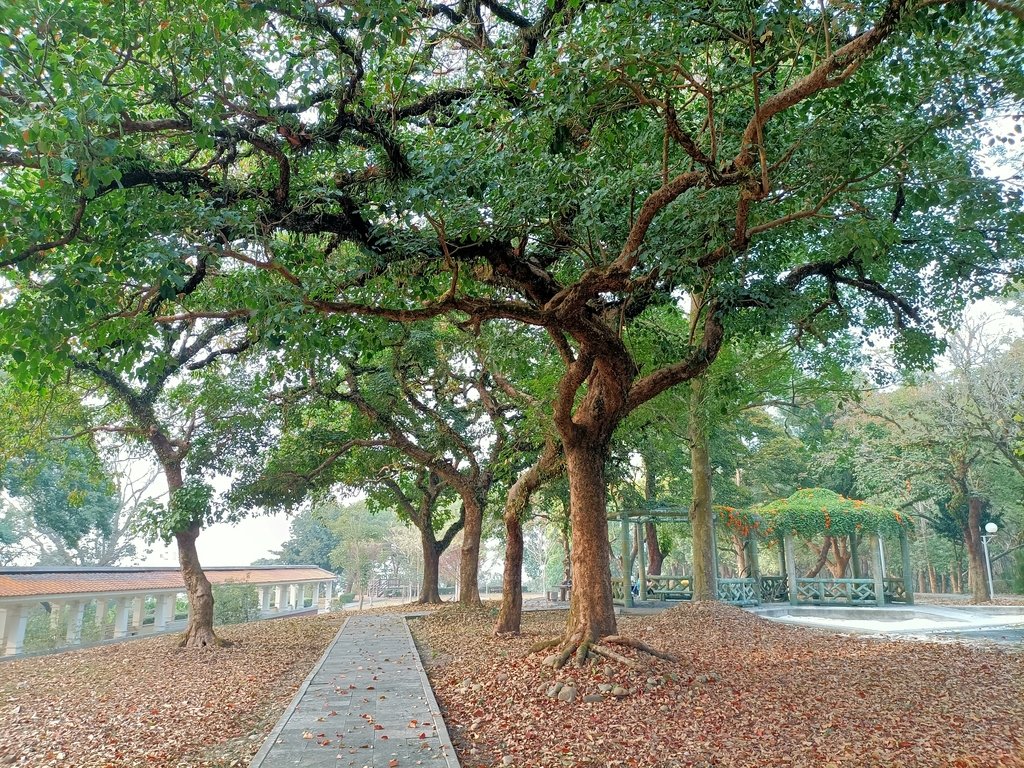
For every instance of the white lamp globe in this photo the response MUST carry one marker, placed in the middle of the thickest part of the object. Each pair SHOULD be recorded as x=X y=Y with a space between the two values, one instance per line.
x=991 y=528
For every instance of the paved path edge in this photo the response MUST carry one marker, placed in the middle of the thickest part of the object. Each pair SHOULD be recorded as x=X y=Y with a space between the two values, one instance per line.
x=442 y=728
x=271 y=739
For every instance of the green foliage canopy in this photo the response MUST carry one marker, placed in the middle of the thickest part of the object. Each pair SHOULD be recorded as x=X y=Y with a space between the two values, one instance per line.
x=814 y=512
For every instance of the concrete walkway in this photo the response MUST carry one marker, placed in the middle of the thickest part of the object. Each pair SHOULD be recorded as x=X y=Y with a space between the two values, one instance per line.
x=367 y=704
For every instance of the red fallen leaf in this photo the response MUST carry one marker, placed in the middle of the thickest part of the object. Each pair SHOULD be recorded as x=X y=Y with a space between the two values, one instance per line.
x=378 y=727
x=392 y=763
x=413 y=723
x=383 y=737
x=422 y=736
x=370 y=688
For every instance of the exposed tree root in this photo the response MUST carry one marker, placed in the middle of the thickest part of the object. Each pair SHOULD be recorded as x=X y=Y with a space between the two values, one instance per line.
x=620 y=640
x=582 y=649
x=581 y=653
x=611 y=655
x=543 y=645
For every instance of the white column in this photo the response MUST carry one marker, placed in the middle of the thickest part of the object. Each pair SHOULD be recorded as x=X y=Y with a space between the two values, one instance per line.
x=300 y=593
x=3 y=629
x=17 y=622
x=164 y=612
x=76 y=614
x=264 y=600
x=328 y=597
x=138 y=612
x=279 y=597
x=121 y=616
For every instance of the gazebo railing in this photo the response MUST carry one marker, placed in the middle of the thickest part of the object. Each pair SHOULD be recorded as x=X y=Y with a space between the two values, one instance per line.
x=774 y=589
x=895 y=591
x=829 y=590
x=670 y=587
x=738 y=591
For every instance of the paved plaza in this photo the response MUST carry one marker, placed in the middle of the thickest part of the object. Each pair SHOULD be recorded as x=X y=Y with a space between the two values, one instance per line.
x=366 y=704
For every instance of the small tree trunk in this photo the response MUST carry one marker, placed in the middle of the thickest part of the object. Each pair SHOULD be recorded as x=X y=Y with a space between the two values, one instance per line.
x=739 y=547
x=705 y=583
x=591 y=611
x=655 y=557
x=975 y=553
x=510 y=616
x=822 y=559
x=469 y=564
x=199 y=633
x=547 y=466
x=932 y=578
x=429 y=593
x=842 y=553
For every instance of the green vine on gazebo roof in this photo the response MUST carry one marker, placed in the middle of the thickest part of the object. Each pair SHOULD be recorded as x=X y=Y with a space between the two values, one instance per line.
x=814 y=512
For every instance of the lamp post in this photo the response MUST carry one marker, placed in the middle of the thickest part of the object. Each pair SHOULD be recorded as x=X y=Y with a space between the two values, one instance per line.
x=990 y=530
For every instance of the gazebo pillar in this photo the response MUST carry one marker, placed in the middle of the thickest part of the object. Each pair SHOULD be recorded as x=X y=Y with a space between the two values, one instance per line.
x=279 y=597
x=877 y=569
x=56 y=613
x=854 y=556
x=627 y=561
x=790 y=562
x=714 y=551
x=754 y=564
x=642 y=562
x=76 y=615
x=908 y=577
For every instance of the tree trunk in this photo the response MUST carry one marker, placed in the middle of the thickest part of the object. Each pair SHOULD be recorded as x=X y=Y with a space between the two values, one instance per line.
x=199 y=633
x=469 y=564
x=591 y=611
x=548 y=465
x=705 y=582
x=975 y=553
x=510 y=616
x=655 y=557
x=429 y=593
x=841 y=550
x=822 y=559
x=932 y=580
x=739 y=547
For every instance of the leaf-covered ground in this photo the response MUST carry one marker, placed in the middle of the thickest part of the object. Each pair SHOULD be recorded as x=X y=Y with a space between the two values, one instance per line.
x=745 y=692
x=149 y=703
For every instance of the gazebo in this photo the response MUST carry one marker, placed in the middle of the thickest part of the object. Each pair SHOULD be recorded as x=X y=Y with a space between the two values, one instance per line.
x=808 y=513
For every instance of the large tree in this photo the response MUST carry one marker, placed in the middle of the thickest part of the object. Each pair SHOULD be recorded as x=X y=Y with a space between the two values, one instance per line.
x=566 y=165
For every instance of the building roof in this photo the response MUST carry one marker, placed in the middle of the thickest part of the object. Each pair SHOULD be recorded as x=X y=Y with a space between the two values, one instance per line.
x=45 y=582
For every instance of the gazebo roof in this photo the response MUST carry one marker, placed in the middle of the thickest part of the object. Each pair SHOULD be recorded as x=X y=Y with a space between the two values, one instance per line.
x=817 y=511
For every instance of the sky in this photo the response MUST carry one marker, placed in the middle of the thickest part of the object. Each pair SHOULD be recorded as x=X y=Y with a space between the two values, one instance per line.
x=229 y=544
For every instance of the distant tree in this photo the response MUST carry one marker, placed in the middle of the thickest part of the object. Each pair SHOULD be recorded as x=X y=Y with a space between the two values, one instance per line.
x=310 y=540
